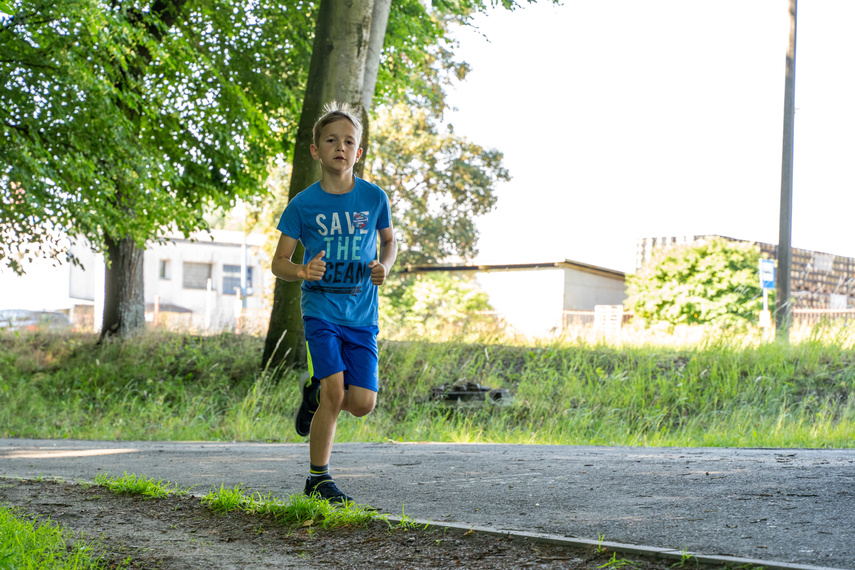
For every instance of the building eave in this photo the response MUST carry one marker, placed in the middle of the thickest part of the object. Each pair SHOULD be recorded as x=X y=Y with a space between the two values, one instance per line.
x=496 y=268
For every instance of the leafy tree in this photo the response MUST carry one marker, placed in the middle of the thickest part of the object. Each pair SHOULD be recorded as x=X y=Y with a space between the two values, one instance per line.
x=438 y=183
x=345 y=57
x=121 y=121
x=709 y=281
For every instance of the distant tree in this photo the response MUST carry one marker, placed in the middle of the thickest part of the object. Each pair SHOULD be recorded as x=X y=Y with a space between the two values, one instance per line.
x=713 y=281
x=438 y=183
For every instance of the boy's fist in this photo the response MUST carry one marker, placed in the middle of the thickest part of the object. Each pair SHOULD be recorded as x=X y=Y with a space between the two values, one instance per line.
x=378 y=272
x=315 y=269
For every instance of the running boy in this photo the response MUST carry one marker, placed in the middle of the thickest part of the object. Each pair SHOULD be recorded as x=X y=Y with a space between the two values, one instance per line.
x=337 y=219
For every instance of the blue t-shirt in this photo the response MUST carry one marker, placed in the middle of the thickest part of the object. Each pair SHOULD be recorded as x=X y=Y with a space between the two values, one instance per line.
x=345 y=227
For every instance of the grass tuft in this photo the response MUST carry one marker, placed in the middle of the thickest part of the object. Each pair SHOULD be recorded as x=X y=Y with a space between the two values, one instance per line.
x=296 y=510
x=138 y=485
x=33 y=545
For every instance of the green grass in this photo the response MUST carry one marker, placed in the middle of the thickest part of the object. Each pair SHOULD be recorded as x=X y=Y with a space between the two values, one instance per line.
x=138 y=485
x=719 y=390
x=296 y=510
x=26 y=544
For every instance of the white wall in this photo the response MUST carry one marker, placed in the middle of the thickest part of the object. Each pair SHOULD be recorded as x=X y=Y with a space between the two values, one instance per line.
x=529 y=301
x=583 y=290
x=43 y=288
x=218 y=304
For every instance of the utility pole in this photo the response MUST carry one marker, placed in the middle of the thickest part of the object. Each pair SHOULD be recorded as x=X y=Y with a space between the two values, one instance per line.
x=783 y=305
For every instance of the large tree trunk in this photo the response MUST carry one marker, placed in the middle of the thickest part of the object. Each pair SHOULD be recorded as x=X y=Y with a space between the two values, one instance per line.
x=124 y=301
x=337 y=71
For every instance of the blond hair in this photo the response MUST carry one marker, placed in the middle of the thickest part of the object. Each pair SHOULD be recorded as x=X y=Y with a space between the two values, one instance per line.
x=335 y=111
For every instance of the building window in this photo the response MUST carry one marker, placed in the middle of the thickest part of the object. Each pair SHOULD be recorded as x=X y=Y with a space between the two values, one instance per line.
x=196 y=275
x=165 y=269
x=231 y=279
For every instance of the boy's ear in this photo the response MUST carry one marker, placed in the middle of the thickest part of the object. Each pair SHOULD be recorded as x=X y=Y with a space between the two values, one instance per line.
x=358 y=154
x=314 y=150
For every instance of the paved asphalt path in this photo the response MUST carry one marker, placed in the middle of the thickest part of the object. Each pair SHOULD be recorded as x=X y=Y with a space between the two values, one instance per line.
x=783 y=505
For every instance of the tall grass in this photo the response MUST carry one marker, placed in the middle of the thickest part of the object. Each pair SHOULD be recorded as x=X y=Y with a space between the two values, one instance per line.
x=713 y=390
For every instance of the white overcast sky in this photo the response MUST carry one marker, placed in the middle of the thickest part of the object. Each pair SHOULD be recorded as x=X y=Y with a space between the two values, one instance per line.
x=622 y=119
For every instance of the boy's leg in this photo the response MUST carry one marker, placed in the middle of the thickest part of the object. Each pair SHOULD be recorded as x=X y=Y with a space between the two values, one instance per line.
x=321 y=436
x=333 y=400
x=359 y=401
x=353 y=352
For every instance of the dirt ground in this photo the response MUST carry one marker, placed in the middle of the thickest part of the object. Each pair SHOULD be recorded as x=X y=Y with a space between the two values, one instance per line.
x=180 y=533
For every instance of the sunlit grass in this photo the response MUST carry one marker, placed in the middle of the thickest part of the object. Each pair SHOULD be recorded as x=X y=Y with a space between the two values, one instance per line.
x=132 y=484
x=34 y=545
x=706 y=388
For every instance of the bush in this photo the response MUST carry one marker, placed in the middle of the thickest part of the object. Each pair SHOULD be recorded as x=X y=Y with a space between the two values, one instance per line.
x=711 y=281
x=424 y=303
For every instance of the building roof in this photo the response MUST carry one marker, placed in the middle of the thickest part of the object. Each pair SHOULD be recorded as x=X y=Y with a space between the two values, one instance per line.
x=228 y=238
x=495 y=268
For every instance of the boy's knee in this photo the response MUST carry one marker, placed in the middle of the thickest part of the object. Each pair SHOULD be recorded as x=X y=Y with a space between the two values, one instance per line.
x=332 y=399
x=332 y=394
x=362 y=409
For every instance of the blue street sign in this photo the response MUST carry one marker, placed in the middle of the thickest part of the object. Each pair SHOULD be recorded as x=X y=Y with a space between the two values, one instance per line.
x=767 y=274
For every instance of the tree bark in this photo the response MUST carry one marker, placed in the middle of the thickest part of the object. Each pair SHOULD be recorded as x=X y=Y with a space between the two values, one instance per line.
x=124 y=300
x=379 y=20
x=337 y=71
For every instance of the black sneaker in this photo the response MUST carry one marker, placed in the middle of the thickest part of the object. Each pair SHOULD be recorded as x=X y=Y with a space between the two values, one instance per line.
x=307 y=409
x=325 y=488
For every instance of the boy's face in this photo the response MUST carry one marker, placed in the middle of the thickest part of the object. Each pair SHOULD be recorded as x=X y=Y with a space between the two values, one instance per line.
x=338 y=148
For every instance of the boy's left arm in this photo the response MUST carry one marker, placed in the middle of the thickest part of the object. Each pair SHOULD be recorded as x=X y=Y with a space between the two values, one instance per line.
x=388 y=253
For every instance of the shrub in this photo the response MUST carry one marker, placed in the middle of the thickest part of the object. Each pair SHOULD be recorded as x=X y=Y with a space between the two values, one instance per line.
x=711 y=281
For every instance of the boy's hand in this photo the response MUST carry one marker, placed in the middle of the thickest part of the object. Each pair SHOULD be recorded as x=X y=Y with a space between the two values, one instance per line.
x=378 y=272
x=315 y=269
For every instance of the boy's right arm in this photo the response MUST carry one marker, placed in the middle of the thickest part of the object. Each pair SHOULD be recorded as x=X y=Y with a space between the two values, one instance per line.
x=284 y=268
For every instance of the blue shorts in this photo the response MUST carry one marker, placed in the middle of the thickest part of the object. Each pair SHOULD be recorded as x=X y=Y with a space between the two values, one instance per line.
x=337 y=348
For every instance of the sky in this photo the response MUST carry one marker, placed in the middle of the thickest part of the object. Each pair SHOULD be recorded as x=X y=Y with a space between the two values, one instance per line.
x=621 y=119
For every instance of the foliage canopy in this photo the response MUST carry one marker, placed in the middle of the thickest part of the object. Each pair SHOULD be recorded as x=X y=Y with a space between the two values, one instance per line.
x=125 y=119
x=128 y=119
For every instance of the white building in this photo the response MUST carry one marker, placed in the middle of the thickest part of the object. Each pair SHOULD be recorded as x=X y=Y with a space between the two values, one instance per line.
x=196 y=281
x=193 y=284
x=536 y=298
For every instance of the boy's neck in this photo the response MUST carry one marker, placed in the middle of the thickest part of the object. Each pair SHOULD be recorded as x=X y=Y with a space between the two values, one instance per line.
x=338 y=184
